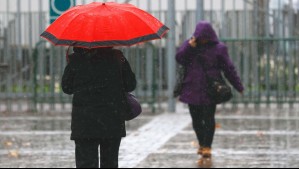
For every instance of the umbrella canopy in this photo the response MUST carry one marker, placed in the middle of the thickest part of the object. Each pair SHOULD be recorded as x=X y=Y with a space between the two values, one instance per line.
x=104 y=25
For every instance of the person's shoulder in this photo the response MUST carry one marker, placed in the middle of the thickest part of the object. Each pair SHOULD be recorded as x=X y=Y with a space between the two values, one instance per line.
x=120 y=55
x=117 y=52
x=222 y=46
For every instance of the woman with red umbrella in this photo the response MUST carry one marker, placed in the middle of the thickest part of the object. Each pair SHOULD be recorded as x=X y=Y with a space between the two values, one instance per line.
x=93 y=77
x=98 y=75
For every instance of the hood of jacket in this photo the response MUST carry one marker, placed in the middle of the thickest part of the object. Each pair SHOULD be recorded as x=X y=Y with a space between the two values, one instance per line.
x=205 y=31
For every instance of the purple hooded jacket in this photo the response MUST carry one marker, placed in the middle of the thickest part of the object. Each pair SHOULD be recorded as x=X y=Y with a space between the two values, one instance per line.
x=216 y=59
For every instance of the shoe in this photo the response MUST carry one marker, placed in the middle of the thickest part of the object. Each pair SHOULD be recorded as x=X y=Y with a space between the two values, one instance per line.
x=206 y=152
x=199 y=152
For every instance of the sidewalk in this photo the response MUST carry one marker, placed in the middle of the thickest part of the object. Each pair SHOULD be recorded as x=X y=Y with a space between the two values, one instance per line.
x=244 y=138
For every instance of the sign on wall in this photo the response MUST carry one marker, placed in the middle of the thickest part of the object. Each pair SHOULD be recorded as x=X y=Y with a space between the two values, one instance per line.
x=57 y=7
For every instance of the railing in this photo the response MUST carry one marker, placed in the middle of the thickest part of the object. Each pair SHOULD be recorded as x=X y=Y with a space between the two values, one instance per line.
x=269 y=69
x=268 y=66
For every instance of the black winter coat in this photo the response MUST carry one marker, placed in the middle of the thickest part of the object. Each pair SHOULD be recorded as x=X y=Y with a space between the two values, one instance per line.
x=94 y=78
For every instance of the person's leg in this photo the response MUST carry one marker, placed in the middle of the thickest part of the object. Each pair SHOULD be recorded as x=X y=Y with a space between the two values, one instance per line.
x=87 y=154
x=197 y=121
x=204 y=126
x=109 y=152
x=208 y=125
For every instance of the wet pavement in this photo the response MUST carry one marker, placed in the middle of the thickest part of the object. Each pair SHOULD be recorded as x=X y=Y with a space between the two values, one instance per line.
x=245 y=137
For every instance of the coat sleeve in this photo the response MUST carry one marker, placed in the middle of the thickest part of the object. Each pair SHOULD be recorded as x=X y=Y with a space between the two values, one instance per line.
x=68 y=80
x=128 y=76
x=183 y=55
x=229 y=70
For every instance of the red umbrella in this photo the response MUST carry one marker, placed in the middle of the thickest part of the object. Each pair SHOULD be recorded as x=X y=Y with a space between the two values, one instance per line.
x=104 y=25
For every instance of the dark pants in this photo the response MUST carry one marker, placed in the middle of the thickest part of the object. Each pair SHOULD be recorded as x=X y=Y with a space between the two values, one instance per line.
x=204 y=124
x=87 y=153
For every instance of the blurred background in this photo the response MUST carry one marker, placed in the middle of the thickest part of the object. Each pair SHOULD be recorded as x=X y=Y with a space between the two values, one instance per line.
x=259 y=129
x=262 y=36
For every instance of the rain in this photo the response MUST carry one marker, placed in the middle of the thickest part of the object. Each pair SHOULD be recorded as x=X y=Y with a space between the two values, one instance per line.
x=174 y=64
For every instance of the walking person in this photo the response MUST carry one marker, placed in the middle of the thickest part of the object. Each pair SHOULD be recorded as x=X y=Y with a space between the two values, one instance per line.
x=94 y=77
x=204 y=57
x=100 y=77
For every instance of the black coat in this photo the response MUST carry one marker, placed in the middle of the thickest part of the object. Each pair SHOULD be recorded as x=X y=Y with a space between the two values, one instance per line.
x=94 y=79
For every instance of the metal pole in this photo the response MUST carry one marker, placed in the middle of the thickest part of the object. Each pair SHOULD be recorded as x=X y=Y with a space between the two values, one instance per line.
x=245 y=33
x=211 y=11
x=31 y=106
x=150 y=54
x=291 y=12
x=246 y=51
x=5 y=78
x=20 y=58
x=41 y=52
x=223 y=32
x=255 y=57
x=199 y=10
x=186 y=5
x=160 y=81
x=9 y=60
x=127 y=1
x=267 y=50
x=285 y=55
x=52 y=76
x=149 y=70
x=41 y=19
x=62 y=62
x=171 y=50
x=149 y=6
x=138 y=70
x=149 y=62
x=185 y=25
x=235 y=29
x=280 y=53
x=290 y=54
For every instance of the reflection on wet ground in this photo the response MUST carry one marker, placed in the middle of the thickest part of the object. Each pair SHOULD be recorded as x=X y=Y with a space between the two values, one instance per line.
x=51 y=123
x=42 y=141
x=205 y=162
x=244 y=138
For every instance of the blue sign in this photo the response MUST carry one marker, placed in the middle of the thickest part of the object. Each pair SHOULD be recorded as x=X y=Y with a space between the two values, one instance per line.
x=57 y=7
